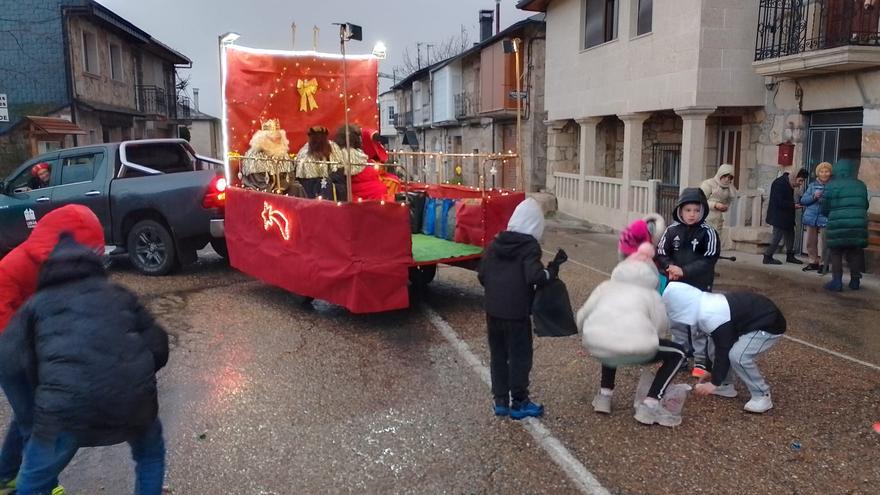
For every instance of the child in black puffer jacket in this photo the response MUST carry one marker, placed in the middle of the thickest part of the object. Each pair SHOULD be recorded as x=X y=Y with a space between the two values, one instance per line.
x=90 y=352
x=510 y=270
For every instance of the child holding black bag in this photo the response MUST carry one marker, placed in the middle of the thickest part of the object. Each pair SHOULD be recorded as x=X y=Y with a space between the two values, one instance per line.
x=510 y=269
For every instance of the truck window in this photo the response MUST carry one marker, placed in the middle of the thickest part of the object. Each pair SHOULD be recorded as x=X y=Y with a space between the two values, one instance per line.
x=168 y=158
x=27 y=179
x=81 y=168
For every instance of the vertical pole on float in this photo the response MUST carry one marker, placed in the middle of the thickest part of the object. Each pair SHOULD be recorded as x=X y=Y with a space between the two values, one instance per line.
x=347 y=155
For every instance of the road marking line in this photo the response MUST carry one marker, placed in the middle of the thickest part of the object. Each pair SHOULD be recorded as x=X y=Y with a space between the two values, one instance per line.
x=793 y=339
x=833 y=353
x=584 y=480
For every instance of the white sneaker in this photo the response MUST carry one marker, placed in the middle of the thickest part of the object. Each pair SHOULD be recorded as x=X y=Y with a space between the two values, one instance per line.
x=759 y=404
x=726 y=390
x=656 y=414
x=602 y=403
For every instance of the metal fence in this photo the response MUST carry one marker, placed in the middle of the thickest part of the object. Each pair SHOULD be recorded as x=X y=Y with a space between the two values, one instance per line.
x=666 y=167
x=788 y=27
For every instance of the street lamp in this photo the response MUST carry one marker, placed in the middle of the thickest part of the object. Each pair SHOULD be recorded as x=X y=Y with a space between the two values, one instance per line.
x=228 y=38
x=512 y=46
x=347 y=31
x=380 y=51
x=223 y=41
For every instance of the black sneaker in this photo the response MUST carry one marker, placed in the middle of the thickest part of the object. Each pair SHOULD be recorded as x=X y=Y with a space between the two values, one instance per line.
x=791 y=259
x=769 y=260
x=811 y=267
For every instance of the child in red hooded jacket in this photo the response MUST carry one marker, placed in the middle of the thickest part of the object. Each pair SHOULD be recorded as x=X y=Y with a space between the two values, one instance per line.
x=18 y=282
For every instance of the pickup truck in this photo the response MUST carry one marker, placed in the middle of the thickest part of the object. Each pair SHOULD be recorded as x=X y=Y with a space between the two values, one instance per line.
x=157 y=200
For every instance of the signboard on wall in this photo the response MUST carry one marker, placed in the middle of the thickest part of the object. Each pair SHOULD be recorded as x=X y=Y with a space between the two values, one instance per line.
x=4 y=110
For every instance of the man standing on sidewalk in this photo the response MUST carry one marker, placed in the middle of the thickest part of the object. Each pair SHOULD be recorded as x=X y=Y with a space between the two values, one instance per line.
x=780 y=214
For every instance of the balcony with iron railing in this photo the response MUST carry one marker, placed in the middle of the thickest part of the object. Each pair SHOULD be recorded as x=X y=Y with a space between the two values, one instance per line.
x=156 y=103
x=404 y=119
x=152 y=100
x=806 y=37
x=467 y=105
x=184 y=108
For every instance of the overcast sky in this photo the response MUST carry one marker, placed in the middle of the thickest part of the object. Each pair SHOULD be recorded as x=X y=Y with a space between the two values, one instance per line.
x=192 y=26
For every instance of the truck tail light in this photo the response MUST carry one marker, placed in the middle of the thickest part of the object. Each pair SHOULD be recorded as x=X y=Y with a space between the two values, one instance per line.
x=215 y=197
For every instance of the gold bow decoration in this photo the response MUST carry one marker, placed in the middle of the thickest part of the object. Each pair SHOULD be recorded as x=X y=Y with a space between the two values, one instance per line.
x=307 y=89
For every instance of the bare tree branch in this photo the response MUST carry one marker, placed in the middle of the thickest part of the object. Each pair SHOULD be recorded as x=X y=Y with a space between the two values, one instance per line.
x=433 y=53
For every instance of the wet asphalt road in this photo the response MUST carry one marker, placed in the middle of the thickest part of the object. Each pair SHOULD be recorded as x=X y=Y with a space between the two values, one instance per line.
x=264 y=396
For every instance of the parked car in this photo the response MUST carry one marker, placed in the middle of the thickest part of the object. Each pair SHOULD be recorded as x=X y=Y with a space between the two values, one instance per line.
x=158 y=200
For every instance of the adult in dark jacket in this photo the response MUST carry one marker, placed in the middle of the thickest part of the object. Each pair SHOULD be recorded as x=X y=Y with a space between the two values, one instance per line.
x=781 y=208
x=845 y=202
x=509 y=271
x=90 y=352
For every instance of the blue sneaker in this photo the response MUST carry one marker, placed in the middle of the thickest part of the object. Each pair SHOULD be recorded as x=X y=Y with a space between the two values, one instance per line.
x=501 y=410
x=526 y=409
x=835 y=285
x=855 y=283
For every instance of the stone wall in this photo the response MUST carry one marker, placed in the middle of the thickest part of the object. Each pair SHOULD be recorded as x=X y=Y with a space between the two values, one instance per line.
x=869 y=168
x=562 y=149
x=99 y=85
x=660 y=128
x=789 y=102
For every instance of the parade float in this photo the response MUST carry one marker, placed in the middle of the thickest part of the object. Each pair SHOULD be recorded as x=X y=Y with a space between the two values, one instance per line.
x=359 y=253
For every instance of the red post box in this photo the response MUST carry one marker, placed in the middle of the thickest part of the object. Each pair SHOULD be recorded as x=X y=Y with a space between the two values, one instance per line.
x=786 y=154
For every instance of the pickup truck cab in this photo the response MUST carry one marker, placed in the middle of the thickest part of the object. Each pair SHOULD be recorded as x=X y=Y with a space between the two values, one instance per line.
x=157 y=199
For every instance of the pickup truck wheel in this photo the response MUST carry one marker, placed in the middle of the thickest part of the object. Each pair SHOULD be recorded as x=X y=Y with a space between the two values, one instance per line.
x=219 y=246
x=151 y=248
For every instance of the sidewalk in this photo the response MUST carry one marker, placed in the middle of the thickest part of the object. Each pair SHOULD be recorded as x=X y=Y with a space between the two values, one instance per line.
x=598 y=247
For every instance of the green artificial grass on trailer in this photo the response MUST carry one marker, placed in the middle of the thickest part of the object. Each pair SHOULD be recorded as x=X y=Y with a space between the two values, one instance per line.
x=427 y=248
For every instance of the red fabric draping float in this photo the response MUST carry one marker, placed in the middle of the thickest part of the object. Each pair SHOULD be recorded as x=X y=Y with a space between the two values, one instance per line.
x=301 y=89
x=356 y=255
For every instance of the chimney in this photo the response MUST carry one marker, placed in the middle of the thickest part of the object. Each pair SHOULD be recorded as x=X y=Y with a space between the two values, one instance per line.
x=196 y=99
x=486 y=24
x=497 y=16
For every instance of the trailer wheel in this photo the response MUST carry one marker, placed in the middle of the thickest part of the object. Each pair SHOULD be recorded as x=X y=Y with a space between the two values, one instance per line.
x=422 y=275
x=151 y=248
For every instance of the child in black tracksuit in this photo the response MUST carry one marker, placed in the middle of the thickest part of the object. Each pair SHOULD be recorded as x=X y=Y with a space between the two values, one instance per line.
x=688 y=252
x=510 y=270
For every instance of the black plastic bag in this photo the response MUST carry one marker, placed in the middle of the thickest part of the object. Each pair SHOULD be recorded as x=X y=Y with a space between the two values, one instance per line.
x=551 y=311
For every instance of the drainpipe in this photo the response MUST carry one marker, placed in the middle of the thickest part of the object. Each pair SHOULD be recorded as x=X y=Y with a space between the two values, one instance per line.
x=68 y=69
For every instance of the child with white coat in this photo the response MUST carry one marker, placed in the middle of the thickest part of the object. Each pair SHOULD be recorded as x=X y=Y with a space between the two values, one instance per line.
x=621 y=324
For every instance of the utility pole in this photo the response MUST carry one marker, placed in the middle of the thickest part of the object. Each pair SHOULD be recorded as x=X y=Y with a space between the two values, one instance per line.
x=293 y=35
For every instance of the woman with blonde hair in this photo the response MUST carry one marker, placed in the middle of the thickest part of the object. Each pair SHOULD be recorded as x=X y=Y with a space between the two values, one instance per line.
x=813 y=219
